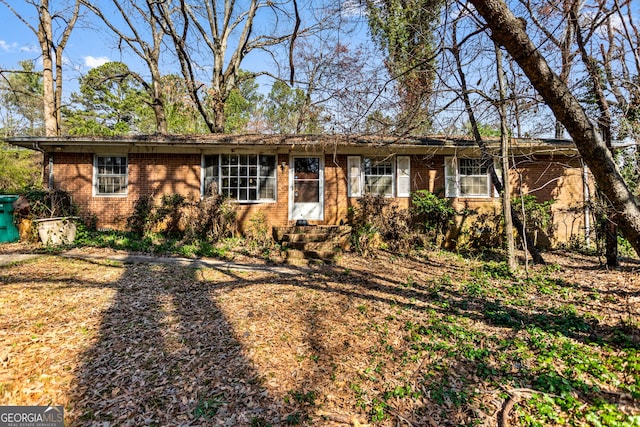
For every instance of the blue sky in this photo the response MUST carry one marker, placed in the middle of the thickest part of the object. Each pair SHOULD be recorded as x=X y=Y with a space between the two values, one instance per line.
x=87 y=47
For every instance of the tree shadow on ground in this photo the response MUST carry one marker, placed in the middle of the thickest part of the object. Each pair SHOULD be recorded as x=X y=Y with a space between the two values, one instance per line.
x=166 y=355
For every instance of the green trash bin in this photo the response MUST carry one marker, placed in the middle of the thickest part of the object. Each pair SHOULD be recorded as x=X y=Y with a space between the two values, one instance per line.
x=8 y=231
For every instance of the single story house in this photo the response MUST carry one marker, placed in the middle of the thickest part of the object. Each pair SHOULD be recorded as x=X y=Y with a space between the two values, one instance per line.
x=311 y=177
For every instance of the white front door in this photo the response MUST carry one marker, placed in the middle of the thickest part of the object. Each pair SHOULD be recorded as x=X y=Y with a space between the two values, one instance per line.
x=306 y=188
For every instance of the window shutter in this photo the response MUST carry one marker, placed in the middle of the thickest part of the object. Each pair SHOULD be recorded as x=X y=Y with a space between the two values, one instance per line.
x=450 y=174
x=354 y=176
x=497 y=166
x=404 y=177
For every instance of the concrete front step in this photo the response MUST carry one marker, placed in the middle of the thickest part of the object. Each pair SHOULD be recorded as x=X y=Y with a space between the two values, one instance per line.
x=317 y=242
x=316 y=237
x=281 y=234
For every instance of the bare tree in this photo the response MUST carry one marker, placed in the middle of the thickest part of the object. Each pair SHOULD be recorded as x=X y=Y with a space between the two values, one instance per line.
x=218 y=36
x=552 y=19
x=51 y=50
x=504 y=158
x=487 y=158
x=510 y=32
x=143 y=34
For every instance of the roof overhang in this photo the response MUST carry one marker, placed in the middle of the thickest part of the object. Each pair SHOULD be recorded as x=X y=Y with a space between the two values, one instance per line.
x=338 y=144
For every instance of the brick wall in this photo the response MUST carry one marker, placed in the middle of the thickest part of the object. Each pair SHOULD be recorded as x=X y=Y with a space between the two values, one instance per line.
x=158 y=174
x=559 y=179
x=154 y=175
x=547 y=178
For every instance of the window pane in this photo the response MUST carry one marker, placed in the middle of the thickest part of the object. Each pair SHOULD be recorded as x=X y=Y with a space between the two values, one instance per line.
x=240 y=176
x=307 y=168
x=474 y=185
x=211 y=178
x=378 y=176
x=210 y=186
x=267 y=165
x=111 y=175
x=267 y=188
x=473 y=178
x=307 y=192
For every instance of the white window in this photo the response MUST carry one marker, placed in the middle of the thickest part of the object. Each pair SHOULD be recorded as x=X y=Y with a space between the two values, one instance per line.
x=467 y=178
x=242 y=177
x=379 y=176
x=110 y=175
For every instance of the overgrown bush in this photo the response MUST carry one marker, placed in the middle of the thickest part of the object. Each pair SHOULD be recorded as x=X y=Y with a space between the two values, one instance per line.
x=211 y=219
x=365 y=220
x=257 y=232
x=47 y=204
x=141 y=219
x=167 y=216
x=376 y=223
x=432 y=214
x=537 y=215
x=486 y=231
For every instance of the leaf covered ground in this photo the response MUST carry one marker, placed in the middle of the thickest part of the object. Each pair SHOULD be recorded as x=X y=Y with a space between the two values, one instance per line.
x=436 y=340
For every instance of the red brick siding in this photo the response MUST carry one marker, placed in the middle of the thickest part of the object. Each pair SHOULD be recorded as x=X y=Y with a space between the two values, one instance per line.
x=555 y=179
x=158 y=174
x=546 y=178
x=336 y=202
x=149 y=174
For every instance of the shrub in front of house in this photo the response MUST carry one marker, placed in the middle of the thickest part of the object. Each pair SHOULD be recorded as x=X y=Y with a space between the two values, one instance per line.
x=208 y=219
x=432 y=215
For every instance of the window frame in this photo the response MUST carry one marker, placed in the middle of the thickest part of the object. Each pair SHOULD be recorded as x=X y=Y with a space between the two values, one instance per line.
x=452 y=166
x=218 y=177
x=357 y=176
x=97 y=175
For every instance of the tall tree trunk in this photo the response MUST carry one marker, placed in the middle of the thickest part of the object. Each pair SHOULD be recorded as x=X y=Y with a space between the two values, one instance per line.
x=607 y=215
x=51 y=57
x=569 y=7
x=130 y=31
x=45 y=38
x=509 y=32
x=157 y=99
x=179 y=38
x=504 y=156
x=58 y=90
x=486 y=155
x=218 y=113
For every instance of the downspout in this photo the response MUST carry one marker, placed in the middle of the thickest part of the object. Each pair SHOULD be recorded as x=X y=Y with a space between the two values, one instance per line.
x=587 y=203
x=51 y=171
x=36 y=146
